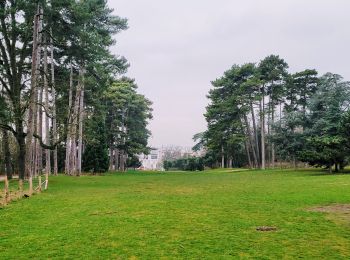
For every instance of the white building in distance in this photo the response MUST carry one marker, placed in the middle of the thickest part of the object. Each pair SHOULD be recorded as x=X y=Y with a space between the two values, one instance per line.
x=154 y=160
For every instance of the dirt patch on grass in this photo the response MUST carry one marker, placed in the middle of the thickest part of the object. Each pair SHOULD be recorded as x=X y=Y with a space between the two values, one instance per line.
x=336 y=212
x=336 y=208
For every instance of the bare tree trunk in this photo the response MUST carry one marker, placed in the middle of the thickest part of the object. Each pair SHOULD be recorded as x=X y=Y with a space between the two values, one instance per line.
x=267 y=146
x=222 y=157
x=250 y=138
x=73 y=149
x=33 y=94
x=39 y=150
x=70 y=115
x=7 y=154
x=116 y=160
x=54 y=114
x=122 y=161
x=272 y=143
x=111 y=157
x=47 y=108
x=255 y=134
x=230 y=162
x=81 y=118
x=262 y=122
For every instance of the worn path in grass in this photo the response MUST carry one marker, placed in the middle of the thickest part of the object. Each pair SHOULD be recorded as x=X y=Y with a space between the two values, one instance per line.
x=209 y=215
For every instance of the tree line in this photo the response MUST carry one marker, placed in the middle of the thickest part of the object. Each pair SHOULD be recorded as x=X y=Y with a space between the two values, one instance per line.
x=261 y=115
x=63 y=103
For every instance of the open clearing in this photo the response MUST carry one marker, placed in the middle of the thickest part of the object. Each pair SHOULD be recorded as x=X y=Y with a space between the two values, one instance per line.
x=210 y=215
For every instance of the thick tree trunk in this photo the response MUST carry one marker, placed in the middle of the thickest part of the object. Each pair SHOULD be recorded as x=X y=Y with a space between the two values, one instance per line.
x=122 y=161
x=330 y=168
x=230 y=163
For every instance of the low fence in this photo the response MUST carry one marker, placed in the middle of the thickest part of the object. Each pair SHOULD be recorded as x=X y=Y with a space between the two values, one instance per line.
x=14 y=190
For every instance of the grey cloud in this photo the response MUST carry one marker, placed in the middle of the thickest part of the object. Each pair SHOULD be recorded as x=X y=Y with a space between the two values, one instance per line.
x=177 y=47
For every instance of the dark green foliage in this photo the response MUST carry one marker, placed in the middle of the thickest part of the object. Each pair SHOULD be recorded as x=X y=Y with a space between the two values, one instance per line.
x=134 y=162
x=185 y=164
x=325 y=145
x=256 y=110
x=95 y=157
x=128 y=114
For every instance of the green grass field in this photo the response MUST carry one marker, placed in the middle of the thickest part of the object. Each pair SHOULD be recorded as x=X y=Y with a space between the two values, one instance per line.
x=207 y=215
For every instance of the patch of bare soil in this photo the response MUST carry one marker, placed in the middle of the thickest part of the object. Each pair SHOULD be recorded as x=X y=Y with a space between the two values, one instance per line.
x=335 y=208
x=336 y=212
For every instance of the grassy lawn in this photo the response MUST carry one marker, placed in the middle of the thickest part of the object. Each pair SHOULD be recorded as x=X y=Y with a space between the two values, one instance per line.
x=208 y=215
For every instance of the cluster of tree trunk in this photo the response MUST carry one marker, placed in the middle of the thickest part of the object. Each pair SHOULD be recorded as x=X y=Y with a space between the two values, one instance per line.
x=47 y=50
x=74 y=141
x=248 y=103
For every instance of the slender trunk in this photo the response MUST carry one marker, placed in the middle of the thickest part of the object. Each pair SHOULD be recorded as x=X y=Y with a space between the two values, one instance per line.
x=33 y=94
x=54 y=115
x=74 y=128
x=246 y=147
x=250 y=139
x=222 y=157
x=248 y=154
x=272 y=101
x=7 y=154
x=111 y=157
x=70 y=116
x=255 y=134
x=272 y=143
x=116 y=160
x=262 y=122
x=21 y=149
x=47 y=108
x=81 y=118
x=39 y=149
x=268 y=141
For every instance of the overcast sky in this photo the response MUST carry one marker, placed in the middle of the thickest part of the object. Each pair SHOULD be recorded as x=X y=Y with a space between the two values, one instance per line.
x=175 y=48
